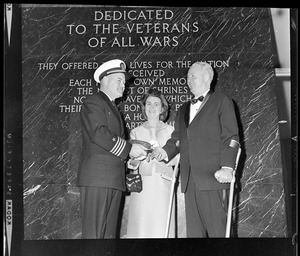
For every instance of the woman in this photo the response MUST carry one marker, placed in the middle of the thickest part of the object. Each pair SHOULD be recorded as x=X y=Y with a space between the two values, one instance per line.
x=148 y=210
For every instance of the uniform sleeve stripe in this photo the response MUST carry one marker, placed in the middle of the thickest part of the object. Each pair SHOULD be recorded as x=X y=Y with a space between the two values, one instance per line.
x=113 y=150
x=122 y=146
x=118 y=147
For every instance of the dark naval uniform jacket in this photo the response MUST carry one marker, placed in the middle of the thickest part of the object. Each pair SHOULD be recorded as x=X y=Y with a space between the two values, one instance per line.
x=102 y=162
x=209 y=142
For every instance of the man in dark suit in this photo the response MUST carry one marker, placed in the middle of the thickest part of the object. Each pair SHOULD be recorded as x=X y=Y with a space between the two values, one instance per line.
x=207 y=131
x=101 y=174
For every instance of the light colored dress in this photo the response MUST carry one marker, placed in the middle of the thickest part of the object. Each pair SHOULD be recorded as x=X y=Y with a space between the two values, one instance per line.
x=148 y=210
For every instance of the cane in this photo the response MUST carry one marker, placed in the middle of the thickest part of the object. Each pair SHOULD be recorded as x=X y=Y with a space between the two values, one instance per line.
x=175 y=172
x=229 y=213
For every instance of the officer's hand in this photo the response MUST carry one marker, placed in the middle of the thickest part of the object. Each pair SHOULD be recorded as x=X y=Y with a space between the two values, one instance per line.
x=138 y=152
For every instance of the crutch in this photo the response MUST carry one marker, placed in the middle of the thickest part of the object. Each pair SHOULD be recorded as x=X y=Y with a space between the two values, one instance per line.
x=229 y=213
x=173 y=181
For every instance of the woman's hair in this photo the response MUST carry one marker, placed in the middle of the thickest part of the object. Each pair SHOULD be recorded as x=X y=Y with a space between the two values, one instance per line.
x=156 y=93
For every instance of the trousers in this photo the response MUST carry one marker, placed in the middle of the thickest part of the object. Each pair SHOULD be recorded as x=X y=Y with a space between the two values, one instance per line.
x=99 y=212
x=206 y=211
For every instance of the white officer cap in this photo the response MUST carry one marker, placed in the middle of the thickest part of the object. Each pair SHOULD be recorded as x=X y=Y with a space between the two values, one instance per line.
x=110 y=67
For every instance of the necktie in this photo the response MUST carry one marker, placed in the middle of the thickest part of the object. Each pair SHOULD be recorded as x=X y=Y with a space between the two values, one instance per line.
x=194 y=101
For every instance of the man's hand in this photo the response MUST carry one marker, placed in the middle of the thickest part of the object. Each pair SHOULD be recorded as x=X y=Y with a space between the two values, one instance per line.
x=134 y=162
x=137 y=151
x=159 y=153
x=224 y=175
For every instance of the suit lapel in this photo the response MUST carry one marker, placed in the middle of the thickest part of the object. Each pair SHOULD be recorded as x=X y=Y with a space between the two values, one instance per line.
x=186 y=115
x=204 y=101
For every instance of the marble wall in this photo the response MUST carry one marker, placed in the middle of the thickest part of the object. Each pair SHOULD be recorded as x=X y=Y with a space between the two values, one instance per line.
x=62 y=45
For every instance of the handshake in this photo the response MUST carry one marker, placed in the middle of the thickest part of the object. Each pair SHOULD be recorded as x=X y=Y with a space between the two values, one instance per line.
x=144 y=150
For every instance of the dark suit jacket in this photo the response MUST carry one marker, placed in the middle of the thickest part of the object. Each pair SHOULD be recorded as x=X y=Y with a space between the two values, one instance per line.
x=205 y=143
x=104 y=147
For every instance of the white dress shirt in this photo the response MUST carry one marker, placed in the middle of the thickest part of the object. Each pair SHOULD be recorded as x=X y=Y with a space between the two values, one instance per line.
x=195 y=107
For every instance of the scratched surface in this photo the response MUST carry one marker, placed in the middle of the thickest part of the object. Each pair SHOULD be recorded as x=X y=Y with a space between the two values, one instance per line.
x=239 y=37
